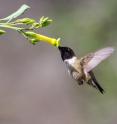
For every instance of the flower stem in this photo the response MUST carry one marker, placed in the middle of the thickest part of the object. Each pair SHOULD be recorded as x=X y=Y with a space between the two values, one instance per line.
x=10 y=27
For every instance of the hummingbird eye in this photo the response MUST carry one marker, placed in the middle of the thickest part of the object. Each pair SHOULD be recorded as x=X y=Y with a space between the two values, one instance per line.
x=69 y=49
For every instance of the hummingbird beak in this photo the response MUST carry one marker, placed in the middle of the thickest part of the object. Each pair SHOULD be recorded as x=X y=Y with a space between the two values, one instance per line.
x=60 y=48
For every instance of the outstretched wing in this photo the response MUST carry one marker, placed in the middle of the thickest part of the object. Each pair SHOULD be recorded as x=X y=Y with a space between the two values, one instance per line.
x=93 y=59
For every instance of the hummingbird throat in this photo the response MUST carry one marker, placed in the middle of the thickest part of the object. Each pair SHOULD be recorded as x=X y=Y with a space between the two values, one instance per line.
x=71 y=60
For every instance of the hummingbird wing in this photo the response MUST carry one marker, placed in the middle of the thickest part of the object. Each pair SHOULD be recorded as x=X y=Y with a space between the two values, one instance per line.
x=93 y=59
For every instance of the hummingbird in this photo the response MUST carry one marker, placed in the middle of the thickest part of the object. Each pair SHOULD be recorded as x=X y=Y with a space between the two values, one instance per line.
x=81 y=68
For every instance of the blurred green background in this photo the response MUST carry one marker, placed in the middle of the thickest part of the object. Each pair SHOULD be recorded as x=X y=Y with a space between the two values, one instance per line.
x=35 y=87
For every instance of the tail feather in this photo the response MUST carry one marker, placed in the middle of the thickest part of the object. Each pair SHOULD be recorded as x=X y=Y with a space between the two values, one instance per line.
x=95 y=82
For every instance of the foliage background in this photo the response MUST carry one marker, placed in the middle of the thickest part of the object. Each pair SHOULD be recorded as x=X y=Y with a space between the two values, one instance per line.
x=34 y=84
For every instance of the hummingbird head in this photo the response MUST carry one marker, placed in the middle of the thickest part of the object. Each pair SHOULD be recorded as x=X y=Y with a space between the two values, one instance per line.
x=66 y=53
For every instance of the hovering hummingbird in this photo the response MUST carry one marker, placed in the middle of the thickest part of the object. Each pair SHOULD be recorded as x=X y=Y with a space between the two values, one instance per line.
x=81 y=68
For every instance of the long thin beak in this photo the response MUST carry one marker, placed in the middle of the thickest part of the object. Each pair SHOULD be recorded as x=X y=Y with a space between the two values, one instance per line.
x=59 y=48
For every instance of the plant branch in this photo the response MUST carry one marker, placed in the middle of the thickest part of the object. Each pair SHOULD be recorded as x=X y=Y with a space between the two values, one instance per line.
x=26 y=26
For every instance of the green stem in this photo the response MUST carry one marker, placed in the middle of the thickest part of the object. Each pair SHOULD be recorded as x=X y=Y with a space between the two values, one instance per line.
x=10 y=27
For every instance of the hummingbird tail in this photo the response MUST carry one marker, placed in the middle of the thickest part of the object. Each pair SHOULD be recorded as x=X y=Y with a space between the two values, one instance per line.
x=95 y=82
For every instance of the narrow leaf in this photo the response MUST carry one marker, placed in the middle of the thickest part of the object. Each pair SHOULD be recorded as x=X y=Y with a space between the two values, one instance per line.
x=2 y=32
x=14 y=15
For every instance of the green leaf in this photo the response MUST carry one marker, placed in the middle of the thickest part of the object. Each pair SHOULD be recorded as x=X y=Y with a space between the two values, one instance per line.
x=14 y=15
x=25 y=21
x=34 y=41
x=30 y=34
x=32 y=37
x=2 y=32
x=36 y=25
x=45 y=21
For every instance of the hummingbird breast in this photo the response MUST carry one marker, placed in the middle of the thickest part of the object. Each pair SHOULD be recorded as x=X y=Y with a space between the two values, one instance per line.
x=75 y=69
